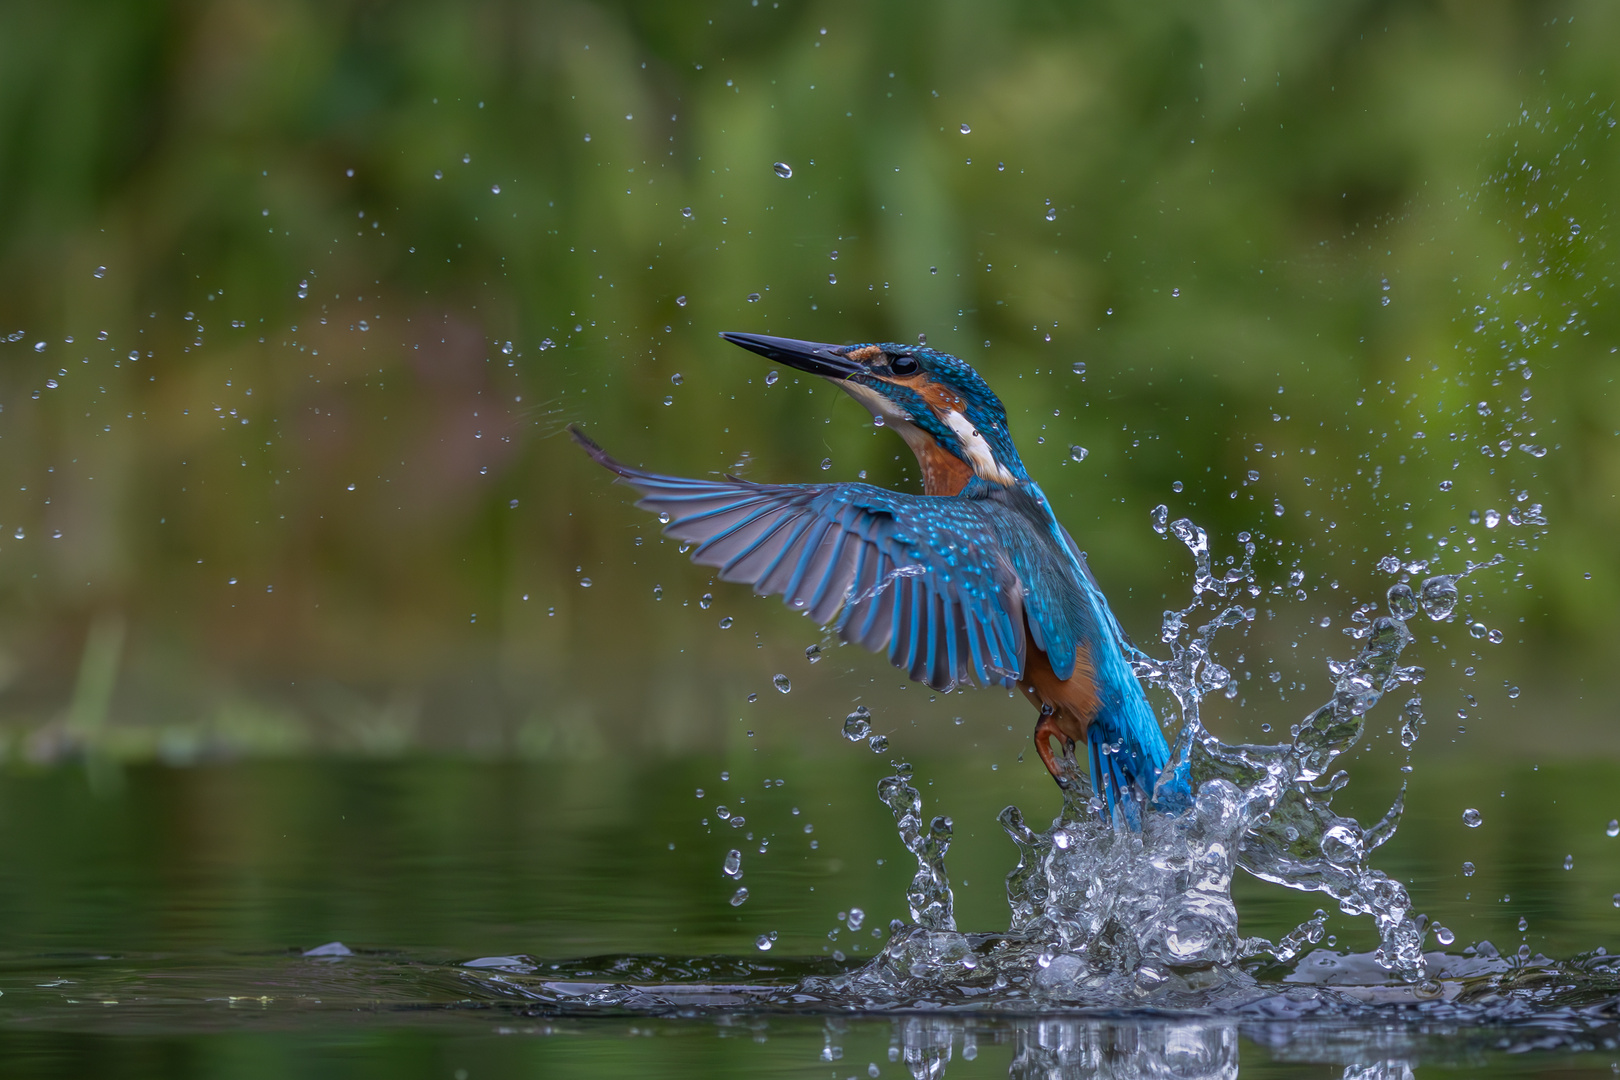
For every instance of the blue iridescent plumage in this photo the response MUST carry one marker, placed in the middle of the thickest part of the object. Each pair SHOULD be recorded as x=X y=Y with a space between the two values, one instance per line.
x=974 y=581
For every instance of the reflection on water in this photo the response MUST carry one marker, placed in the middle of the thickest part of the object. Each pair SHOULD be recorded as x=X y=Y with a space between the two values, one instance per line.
x=177 y=909
x=680 y=1029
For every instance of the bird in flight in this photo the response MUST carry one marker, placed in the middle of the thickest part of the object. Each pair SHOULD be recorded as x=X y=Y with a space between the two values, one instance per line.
x=973 y=581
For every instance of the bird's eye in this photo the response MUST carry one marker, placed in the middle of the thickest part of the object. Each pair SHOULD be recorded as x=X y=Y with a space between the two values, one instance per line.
x=903 y=365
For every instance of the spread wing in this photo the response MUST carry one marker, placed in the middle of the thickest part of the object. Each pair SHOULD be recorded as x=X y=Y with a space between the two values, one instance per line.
x=923 y=576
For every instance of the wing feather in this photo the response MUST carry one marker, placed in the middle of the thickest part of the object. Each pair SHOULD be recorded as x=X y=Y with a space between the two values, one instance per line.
x=923 y=578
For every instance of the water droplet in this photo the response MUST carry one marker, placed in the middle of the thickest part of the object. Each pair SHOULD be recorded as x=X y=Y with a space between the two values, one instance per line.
x=966 y=129
x=686 y=211
x=584 y=582
x=783 y=169
x=832 y=279
x=1569 y=862
x=1175 y=292
x=1402 y=604
x=495 y=189
x=1492 y=519
x=738 y=897
x=19 y=533
x=771 y=377
x=1438 y=595
x=1444 y=935
x=705 y=600
x=680 y=301
x=725 y=623
x=1051 y=213
x=1524 y=924
x=752 y=298
x=733 y=864
x=763 y=943
x=1472 y=818
x=134 y=354
x=812 y=653
x=1160 y=514
x=1476 y=630
x=1078 y=453
x=1277 y=507
x=676 y=379
x=1494 y=637
x=1296 y=578
x=1468 y=869
x=857 y=725
x=101 y=271
x=351 y=487
x=826 y=463
x=780 y=681
x=878 y=743
x=1614 y=828
x=39 y=346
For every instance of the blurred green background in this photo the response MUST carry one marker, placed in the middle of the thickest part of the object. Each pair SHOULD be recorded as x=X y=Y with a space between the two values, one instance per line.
x=296 y=299
x=314 y=625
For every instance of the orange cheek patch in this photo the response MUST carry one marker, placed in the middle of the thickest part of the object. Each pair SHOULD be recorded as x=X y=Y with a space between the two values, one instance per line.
x=938 y=396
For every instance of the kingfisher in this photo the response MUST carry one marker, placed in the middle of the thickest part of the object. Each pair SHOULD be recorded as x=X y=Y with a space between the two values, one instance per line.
x=973 y=581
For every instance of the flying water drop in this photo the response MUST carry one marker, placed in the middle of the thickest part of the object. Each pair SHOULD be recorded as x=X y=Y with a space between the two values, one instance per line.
x=858 y=724
x=1472 y=818
x=733 y=864
x=1402 y=604
x=1078 y=453
x=781 y=682
x=1438 y=595
x=783 y=169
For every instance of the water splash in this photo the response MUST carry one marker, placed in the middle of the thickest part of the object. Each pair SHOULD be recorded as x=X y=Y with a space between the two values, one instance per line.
x=1101 y=915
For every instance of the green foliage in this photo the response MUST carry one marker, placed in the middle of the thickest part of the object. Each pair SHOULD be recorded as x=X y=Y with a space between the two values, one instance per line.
x=1285 y=239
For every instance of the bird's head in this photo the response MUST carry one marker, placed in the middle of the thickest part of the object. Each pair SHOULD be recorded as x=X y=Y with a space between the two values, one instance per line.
x=947 y=414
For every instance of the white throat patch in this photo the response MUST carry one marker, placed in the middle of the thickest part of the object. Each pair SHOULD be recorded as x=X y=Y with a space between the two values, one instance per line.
x=978 y=452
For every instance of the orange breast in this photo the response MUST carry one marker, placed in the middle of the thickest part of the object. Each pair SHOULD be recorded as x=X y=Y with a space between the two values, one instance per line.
x=1073 y=700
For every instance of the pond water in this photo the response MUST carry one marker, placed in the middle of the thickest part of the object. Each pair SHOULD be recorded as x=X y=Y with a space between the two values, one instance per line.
x=184 y=922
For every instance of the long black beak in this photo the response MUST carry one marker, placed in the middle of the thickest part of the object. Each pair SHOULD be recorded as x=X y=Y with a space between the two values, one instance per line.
x=808 y=356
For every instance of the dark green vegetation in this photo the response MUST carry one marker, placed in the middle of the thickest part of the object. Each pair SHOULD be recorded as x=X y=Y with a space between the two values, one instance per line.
x=1203 y=206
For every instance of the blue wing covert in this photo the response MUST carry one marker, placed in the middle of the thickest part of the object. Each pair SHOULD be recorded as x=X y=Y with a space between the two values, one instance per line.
x=926 y=577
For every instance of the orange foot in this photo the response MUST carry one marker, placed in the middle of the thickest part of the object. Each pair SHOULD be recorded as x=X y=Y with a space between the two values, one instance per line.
x=1046 y=729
